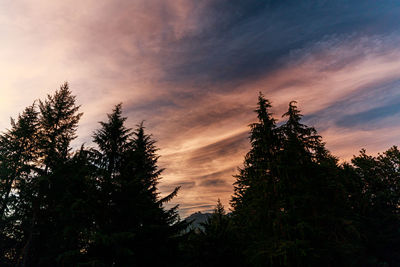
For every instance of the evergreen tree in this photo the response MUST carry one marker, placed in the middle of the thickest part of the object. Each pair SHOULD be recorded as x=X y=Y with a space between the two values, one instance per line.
x=58 y=121
x=255 y=201
x=293 y=203
x=378 y=205
x=318 y=221
x=214 y=243
x=113 y=142
x=45 y=193
x=17 y=154
x=17 y=150
x=134 y=225
x=290 y=196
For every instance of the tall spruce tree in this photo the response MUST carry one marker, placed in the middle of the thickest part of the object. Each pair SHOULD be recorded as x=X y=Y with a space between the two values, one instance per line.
x=258 y=171
x=313 y=195
x=17 y=150
x=290 y=196
x=377 y=203
x=256 y=201
x=113 y=143
x=133 y=225
x=58 y=121
x=46 y=194
x=17 y=155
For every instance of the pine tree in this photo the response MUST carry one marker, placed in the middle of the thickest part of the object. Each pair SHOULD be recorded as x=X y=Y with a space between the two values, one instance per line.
x=378 y=202
x=299 y=185
x=134 y=224
x=160 y=227
x=17 y=151
x=290 y=196
x=214 y=243
x=58 y=121
x=218 y=244
x=113 y=144
x=255 y=201
x=259 y=166
x=17 y=154
x=113 y=141
x=45 y=195
x=319 y=221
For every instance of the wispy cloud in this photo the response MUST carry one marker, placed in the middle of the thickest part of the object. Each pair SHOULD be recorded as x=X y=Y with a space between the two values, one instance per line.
x=192 y=71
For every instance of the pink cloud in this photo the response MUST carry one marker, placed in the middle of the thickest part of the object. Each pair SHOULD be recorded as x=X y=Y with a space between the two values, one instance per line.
x=126 y=51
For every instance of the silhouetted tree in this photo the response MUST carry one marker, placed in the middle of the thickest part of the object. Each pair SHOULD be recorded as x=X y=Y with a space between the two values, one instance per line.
x=133 y=225
x=17 y=153
x=58 y=121
x=256 y=201
x=293 y=203
x=318 y=222
x=45 y=194
x=289 y=196
x=214 y=243
x=379 y=206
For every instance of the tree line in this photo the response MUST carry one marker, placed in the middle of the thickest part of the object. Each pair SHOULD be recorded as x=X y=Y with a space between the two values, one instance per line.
x=293 y=203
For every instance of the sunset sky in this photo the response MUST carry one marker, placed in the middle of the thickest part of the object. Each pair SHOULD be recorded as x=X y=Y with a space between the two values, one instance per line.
x=192 y=70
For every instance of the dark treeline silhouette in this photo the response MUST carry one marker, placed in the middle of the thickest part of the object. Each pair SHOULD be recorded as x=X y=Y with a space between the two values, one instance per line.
x=294 y=204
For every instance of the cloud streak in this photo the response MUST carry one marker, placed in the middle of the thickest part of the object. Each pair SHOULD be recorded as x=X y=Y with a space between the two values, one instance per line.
x=192 y=71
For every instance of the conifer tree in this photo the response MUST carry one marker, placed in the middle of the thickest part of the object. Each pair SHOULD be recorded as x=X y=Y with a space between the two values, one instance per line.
x=17 y=150
x=293 y=203
x=113 y=144
x=259 y=165
x=58 y=121
x=290 y=195
x=378 y=206
x=300 y=187
x=318 y=218
x=218 y=244
x=17 y=154
x=45 y=195
x=134 y=224
x=214 y=243
x=113 y=141
x=255 y=201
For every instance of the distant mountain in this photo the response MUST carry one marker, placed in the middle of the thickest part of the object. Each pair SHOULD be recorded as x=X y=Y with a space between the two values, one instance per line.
x=197 y=219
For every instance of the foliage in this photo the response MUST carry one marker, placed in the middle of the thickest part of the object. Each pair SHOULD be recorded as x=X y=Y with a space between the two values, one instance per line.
x=293 y=203
x=298 y=206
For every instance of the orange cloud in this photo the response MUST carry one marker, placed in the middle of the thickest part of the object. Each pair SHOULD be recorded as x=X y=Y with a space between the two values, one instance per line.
x=151 y=56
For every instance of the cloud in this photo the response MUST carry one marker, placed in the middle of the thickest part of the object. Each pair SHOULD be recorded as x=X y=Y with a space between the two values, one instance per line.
x=192 y=71
x=371 y=115
x=213 y=183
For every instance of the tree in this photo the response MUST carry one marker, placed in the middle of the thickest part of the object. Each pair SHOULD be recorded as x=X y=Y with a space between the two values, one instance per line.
x=134 y=224
x=17 y=154
x=255 y=201
x=113 y=141
x=290 y=196
x=214 y=243
x=58 y=121
x=378 y=202
x=44 y=195
x=318 y=221
x=17 y=150
x=259 y=166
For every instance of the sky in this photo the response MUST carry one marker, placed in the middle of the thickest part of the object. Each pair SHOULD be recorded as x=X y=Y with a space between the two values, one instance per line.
x=192 y=70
